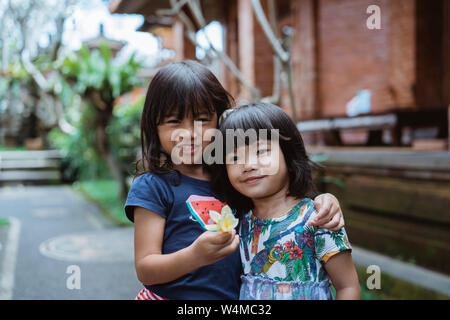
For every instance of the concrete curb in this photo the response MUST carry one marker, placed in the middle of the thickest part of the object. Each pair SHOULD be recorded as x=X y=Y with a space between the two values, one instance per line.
x=410 y=273
x=8 y=267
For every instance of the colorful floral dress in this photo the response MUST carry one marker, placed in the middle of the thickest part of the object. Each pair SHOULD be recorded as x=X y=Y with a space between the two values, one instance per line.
x=283 y=257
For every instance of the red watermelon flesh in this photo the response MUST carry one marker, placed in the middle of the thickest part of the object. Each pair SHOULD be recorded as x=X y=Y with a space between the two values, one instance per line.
x=199 y=206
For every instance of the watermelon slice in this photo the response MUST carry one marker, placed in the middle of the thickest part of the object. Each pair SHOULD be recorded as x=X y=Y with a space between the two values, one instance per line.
x=199 y=206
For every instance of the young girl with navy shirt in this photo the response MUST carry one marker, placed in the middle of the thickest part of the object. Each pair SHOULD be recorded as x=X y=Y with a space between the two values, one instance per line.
x=175 y=258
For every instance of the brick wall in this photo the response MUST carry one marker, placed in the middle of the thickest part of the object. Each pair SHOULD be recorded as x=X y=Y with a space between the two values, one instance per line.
x=351 y=57
x=335 y=55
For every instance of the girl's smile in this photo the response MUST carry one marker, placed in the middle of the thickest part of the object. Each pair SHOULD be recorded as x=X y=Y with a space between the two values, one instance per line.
x=253 y=180
x=189 y=148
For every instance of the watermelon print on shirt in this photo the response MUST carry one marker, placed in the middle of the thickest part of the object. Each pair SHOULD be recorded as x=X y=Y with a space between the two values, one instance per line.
x=199 y=206
x=172 y=197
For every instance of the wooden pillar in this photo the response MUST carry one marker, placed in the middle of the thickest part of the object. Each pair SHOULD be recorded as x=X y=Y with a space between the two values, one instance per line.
x=263 y=59
x=231 y=45
x=304 y=58
x=402 y=52
x=446 y=53
x=184 y=48
x=429 y=53
x=446 y=63
x=246 y=45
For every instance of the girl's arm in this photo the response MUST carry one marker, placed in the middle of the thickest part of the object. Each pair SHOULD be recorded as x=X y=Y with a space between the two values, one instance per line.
x=342 y=273
x=330 y=214
x=153 y=267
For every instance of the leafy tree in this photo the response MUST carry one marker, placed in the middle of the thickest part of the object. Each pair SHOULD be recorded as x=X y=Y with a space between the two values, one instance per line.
x=26 y=66
x=99 y=79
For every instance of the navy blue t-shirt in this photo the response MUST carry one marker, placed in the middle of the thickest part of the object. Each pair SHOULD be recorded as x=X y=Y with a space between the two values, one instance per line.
x=161 y=195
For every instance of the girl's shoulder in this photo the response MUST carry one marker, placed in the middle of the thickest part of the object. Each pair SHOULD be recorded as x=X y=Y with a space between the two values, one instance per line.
x=304 y=211
x=307 y=208
x=145 y=177
x=152 y=178
x=301 y=214
x=150 y=183
x=149 y=191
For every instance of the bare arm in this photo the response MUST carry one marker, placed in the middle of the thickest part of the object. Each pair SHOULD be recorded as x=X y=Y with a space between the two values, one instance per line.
x=330 y=215
x=342 y=273
x=153 y=267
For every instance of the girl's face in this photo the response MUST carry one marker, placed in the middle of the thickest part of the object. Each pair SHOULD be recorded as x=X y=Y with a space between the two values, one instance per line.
x=182 y=139
x=260 y=170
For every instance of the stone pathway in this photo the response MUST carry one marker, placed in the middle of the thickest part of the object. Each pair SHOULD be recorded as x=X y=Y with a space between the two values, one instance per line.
x=59 y=246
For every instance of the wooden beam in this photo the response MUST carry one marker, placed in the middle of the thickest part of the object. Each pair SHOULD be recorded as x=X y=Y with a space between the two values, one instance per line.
x=30 y=175
x=376 y=158
x=184 y=49
x=29 y=164
x=364 y=122
x=304 y=59
x=402 y=52
x=446 y=53
x=41 y=154
x=246 y=45
x=231 y=45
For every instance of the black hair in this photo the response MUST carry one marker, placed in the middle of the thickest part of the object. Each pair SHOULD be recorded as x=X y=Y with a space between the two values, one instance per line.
x=185 y=87
x=265 y=116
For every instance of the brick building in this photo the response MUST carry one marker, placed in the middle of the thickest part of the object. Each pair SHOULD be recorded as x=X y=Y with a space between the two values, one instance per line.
x=405 y=65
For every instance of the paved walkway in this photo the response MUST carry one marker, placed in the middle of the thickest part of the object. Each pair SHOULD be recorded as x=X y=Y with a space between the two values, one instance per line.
x=56 y=238
x=54 y=230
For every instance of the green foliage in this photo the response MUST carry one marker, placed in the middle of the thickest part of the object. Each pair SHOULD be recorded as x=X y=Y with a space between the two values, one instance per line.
x=81 y=160
x=97 y=70
x=124 y=133
x=4 y=222
x=12 y=81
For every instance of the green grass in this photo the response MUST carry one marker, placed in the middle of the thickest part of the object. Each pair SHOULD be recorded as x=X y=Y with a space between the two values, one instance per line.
x=367 y=294
x=4 y=222
x=104 y=194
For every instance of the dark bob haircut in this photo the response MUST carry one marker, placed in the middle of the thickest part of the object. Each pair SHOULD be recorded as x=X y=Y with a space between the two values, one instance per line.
x=265 y=116
x=184 y=88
